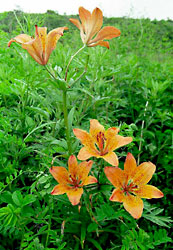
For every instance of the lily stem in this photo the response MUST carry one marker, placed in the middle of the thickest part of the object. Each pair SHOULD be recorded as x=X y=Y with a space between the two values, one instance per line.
x=66 y=120
x=68 y=65
x=142 y=130
x=50 y=73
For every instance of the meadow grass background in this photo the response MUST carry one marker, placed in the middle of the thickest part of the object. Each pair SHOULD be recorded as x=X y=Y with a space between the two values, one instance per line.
x=119 y=84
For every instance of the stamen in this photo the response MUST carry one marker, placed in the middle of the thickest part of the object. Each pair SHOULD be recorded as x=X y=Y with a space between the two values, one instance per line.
x=101 y=141
x=36 y=30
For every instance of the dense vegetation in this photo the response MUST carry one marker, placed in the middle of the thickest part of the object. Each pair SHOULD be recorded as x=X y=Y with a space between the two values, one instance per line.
x=128 y=86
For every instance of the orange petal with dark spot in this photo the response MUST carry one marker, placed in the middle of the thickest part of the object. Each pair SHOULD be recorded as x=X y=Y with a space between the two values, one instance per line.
x=60 y=174
x=144 y=173
x=130 y=166
x=148 y=192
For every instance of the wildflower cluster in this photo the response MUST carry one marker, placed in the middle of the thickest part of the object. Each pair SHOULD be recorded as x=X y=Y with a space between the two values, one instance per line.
x=131 y=183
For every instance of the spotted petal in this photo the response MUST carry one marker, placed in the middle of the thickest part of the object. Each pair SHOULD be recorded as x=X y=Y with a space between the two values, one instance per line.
x=86 y=140
x=133 y=205
x=148 y=192
x=84 y=169
x=118 y=141
x=144 y=173
x=60 y=174
x=95 y=128
x=72 y=166
x=130 y=166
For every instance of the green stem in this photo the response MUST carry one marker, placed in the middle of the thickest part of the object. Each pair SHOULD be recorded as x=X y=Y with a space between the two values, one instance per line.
x=142 y=130
x=45 y=66
x=66 y=72
x=66 y=120
x=51 y=207
x=99 y=171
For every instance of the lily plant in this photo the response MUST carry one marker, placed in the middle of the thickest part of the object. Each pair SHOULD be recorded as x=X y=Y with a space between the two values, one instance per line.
x=131 y=183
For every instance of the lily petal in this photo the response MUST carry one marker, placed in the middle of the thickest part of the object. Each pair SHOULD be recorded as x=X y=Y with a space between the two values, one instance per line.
x=101 y=43
x=84 y=169
x=134 y=205
x=85 y=17
x=115 y=175
x=90 y=180
x=76 y=23
x=130 y=166
x=74 y=195
x=85 y=154
x=144 y=173
x=60 y=189
x=72 y=166
x=60 y=174
x=22 y=38
x=35 y=49
x=118 y=141
x=79 y=26
x=95 y=24
x=111 y=158
x=107 y=32
x=42 y=33
x=86 y=140
x=117 y=195
x=95 y=128
x=52 y=38
x=148 y=192
x=109 y=135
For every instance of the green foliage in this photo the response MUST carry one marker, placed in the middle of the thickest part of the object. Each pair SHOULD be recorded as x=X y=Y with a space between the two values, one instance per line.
x=111 y=86
x=143 y=241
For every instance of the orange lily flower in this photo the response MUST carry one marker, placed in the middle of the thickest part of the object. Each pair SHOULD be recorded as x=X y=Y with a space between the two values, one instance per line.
x=42 y=45
x=72 y=181
x=90 y=26
x=100 y=143
x=131 y=185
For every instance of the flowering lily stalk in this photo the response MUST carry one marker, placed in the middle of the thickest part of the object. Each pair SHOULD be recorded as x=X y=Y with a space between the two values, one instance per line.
x=131 y=185
x=72 y=181
x=100 y=143
x=90 y=28
x=42 y=45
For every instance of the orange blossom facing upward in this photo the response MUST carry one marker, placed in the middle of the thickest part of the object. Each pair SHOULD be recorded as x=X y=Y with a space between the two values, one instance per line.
x=72 y=181
x=42 y=45
x=131 y=185
x=90 y=26
x=100 y=143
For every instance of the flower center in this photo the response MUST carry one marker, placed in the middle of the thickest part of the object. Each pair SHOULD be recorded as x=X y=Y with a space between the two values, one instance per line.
x=74 y=182
x=130 y=187
x=101 y=142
